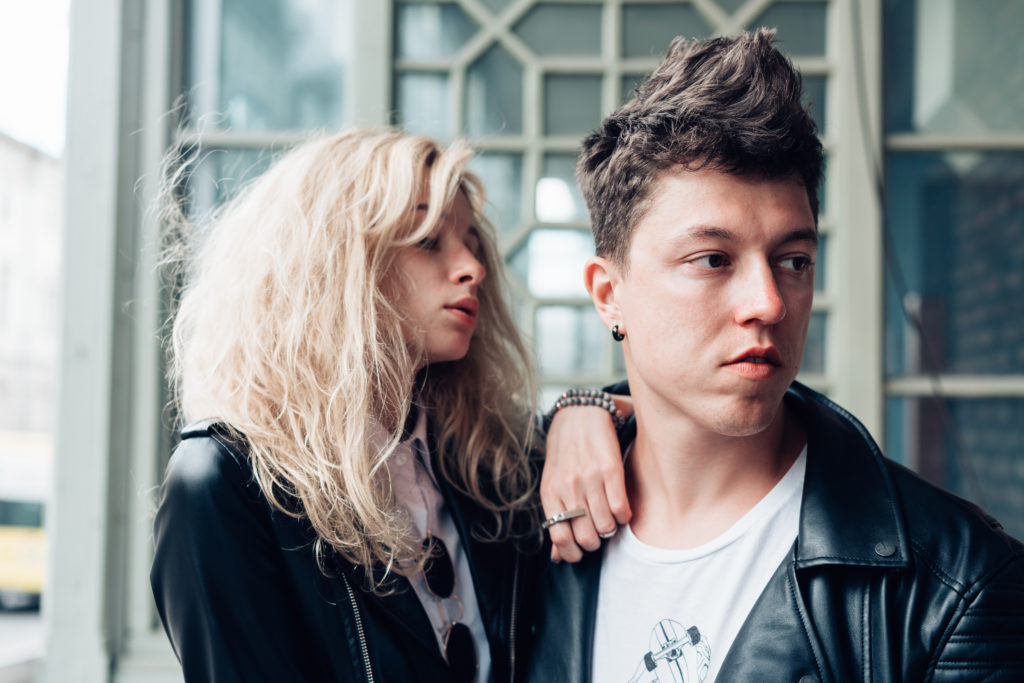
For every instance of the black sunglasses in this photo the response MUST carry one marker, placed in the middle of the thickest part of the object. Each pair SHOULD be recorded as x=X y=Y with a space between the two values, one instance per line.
x=439 y=575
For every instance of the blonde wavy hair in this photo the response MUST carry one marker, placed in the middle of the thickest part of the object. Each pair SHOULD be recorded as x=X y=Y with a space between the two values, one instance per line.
x=289 y=331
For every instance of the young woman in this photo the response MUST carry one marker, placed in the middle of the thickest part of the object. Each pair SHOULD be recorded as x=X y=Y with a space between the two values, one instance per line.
x=355 y=503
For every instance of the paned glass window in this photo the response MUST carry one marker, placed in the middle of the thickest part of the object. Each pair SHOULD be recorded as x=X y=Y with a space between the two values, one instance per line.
x=256 y=75
x=266 y=65
x=525 y=82
x=957 y=227
x=954 y=66
x=801 y=26
x=562 y=29
x=647 y=29
x=954 y=317
x=970 y=446
x=494 y=94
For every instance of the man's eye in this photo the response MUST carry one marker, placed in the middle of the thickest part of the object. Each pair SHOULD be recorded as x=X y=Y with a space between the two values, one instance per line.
x=427 y=244
x=796 y=263
x=711 y=261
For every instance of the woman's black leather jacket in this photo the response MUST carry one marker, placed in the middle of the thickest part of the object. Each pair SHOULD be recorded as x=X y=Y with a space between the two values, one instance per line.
x=241 y=596
x=890 y=579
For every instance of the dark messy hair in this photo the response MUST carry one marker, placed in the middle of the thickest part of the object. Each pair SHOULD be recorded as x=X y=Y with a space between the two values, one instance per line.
x=726 y=104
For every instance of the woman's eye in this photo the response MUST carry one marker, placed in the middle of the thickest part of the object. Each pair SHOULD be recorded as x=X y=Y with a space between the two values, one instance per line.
x=796 y=263
x=427 y=244
x=711 y=261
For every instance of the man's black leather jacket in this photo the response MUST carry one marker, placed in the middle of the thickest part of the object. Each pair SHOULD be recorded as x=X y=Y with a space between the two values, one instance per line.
x=242 y=599
x=890 y=579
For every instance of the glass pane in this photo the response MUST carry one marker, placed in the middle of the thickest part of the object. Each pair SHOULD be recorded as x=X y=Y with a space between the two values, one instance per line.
x=550 y=263
x=264 y=66
x=730 y=6
x=629 y=85
x=572 y=104
x=220 y=174
x=21 y=513
x=956 y=224
x=422 y=103
x=570 y=339
x=494 y=94
x=954 y=66
x=428 y=31
x=558 y=199
x=820 y=264
x=496 y=5
x=502 y=174
x=823 y=189
x=814 y=349
x=815 y=92
x=972 y=447
x=648 y=29
x=562 y=29
x=801 y=26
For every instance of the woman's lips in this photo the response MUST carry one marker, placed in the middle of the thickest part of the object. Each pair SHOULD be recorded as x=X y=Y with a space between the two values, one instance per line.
x=465 y=310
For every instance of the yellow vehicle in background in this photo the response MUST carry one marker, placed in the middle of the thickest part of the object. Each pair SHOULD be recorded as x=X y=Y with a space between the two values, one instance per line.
x=25 y=469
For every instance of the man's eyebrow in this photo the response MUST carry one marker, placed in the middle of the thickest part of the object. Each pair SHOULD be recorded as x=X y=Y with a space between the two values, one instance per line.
x=710 y=232
x=802 y=235
x=718 y=233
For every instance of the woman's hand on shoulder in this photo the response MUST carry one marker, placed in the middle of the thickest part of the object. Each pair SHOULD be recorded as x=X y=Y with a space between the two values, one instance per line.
x=583 y=469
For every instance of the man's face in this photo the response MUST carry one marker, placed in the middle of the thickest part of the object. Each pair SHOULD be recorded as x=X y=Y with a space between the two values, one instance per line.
x=717 y=297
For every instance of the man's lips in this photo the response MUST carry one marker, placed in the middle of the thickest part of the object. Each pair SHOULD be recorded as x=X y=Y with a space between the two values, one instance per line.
x=768 y=355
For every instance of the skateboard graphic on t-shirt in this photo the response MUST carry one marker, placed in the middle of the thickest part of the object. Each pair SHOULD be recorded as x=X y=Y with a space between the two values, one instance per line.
x=677 y=654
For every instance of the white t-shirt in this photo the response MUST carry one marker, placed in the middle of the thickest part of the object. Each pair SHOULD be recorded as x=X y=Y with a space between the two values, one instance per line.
x=416 y=491
x=672 y=615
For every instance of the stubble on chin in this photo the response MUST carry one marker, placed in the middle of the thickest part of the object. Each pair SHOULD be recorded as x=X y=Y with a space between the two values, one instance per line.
x=745 y=416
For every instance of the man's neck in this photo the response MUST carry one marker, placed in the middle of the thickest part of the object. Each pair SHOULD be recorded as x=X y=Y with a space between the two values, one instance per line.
x=688 y=485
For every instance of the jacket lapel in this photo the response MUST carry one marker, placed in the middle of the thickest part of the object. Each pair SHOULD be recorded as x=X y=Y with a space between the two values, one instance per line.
x=563 y=646
x=848 y=517
x=774 y=643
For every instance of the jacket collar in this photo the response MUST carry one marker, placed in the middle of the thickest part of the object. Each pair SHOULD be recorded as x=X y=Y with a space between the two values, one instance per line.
x=849 y=514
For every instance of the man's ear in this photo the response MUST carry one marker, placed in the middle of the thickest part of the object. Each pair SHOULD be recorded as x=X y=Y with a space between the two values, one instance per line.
x=601 y=278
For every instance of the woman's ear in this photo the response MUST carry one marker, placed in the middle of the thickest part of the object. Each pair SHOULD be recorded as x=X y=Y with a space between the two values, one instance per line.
x=601 y=278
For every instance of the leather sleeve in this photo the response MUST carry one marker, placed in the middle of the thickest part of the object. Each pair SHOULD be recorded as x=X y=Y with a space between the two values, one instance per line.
x=620 y=388
x=218 y=577
x=986 y=642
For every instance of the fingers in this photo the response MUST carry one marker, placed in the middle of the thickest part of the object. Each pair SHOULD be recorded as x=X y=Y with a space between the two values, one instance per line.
x=615 y=496
x=583 y=468
x=563 y=543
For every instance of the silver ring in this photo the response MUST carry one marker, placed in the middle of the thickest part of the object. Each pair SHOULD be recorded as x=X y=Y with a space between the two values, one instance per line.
x=609 y=534
x=563 y=516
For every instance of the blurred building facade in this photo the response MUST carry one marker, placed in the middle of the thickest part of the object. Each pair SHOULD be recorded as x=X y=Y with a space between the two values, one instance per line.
x=916 y=324
x=31 y=215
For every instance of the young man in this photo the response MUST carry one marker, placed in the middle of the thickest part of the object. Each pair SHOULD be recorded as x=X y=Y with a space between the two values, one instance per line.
x=770 y=540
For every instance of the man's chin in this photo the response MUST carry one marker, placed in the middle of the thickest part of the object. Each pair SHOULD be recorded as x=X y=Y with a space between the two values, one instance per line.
x=742 y=416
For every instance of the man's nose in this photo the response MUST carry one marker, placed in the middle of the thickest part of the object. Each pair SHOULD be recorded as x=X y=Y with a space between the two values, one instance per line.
x=759 y=298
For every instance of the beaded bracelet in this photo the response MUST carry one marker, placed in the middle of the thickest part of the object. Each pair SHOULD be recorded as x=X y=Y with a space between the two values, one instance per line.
x=589 y=397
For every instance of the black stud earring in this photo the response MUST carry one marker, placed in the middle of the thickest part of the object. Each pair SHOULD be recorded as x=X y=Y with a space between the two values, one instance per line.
x=616 y=335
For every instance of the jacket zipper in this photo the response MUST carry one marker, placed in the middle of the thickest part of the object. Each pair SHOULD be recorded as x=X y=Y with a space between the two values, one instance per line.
x=512 y=621
x=359 y=630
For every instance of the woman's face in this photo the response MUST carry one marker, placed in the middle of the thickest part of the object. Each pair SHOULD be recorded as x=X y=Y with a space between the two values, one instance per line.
x=441 y=276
